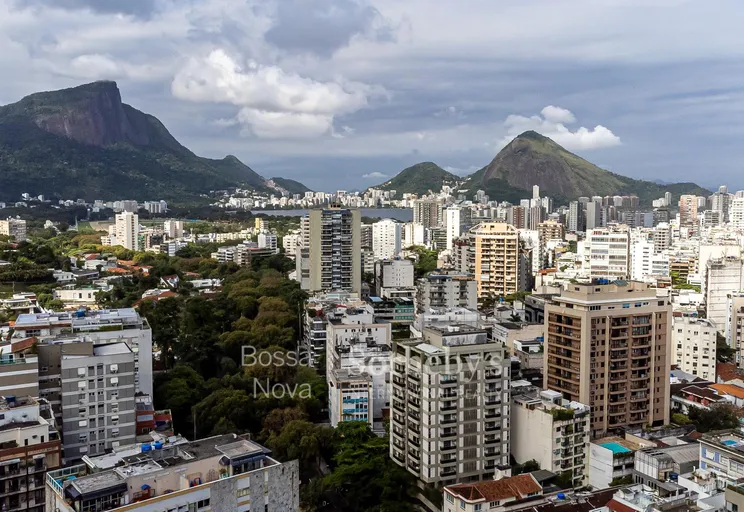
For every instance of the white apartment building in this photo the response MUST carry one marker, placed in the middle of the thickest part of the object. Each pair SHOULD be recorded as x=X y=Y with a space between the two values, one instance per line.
x=127 y=230
x=551 y=430
x=267 y=241
x=413 y=234
x=736 y=212
x=723 y=277
x=14 y=228
x=221 y=474
x=391 y=275
x=290 y=243
x=351 y=398
x=173 y=229
x=735 y=325
x=450 y=405
x=645 y=262
x=694 y=342
x=452 y=223
x=662 y=237
x=99 y=327
x=446 y=290
x=608 y=253
x=386 y=239
x=357 y=345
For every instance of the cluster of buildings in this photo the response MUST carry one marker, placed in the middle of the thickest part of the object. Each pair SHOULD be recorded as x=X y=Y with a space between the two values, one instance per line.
x=563 y=337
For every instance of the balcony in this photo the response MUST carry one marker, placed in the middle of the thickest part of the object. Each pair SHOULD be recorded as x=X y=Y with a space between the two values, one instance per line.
x=449 y=445
x=445 y=434
x=446 y=472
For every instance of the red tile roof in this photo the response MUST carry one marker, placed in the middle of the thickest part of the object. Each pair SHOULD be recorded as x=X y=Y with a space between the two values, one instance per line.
x=516 y=487
x=729 y=389
x=728 y=371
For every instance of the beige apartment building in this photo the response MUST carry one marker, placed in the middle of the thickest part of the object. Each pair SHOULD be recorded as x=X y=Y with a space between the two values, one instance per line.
x=450 y=405
x=608 y=346
x=688 y=210
x=493 y=257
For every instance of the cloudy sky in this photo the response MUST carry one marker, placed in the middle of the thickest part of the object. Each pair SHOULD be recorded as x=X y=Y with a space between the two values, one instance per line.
x=344 y=93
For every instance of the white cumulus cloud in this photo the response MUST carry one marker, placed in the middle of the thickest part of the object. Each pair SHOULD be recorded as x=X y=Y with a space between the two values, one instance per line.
x=273 y=103
x=552 y=123
x=374 y=176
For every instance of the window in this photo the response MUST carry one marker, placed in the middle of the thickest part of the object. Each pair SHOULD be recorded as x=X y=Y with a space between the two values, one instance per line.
x=478 y=507
x=450 y=498
x=462 y=504
x=202 y=503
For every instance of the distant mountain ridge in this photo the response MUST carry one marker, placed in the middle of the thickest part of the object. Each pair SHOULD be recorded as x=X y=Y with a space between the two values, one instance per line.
x=420 y=179
x=533 y=159
x=83 y=142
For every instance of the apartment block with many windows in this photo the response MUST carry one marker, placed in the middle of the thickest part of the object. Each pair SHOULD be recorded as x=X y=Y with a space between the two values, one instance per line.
x=450 y=405
x=29 y=446
x=492 y=257
x=551 y=430
x=608 y=346
x=219 y=474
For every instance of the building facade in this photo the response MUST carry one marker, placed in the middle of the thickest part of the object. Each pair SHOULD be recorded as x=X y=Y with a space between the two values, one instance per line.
x=127 y=230
x=13 y=228
x=446 y=290
x=386 y=239
x=608 y=346
x=335 y=248
x=493 y=258
x=450 y=420
x=694 y=342
x=608 y=253
x=552 y=431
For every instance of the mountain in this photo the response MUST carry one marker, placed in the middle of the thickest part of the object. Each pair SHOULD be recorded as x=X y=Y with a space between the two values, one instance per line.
x=420 y=179
x=533 y=159
x=290 y=186
x=85 y=143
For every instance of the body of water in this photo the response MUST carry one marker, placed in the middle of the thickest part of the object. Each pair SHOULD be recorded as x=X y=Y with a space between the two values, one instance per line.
x=399 y=214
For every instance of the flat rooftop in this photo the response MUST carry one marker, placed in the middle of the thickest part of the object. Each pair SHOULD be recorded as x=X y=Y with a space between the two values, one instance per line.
x=617 y=444
x=74 y=318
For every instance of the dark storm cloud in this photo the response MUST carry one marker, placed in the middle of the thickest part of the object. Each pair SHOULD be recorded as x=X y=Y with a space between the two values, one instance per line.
x=138 y=8
x=324 y=26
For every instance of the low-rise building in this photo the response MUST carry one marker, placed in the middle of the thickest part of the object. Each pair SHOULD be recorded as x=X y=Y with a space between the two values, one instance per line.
x=351 y=396
x=612 y=459
x=552 y=431
x=221 y=474
x=490 y=495
x=657 y=468
x=723 y=454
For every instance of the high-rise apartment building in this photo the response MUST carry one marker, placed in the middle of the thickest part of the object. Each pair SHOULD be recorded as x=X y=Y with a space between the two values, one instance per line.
x=446 y=290
x=428 y=212
x=576 y=217
x=452 y=223
x=662 y=237
x=223 y=473
x=267 y=241
x=735 y=325
x=493 y=258
x=517 y=217
x=386 y=239
x=723 y=277
x=14 y=228
x=98 y=327
x=608 y=346
x=334 y=261
x=552 y=431
x=737 y=213
x=694 y=346
x=127 y=230
x=608 y=253
x=173 y=228
x=720 y=201
x=450 y=405
x=688 y=211
x=594 y=215
x=29 y=447
x=547 y=231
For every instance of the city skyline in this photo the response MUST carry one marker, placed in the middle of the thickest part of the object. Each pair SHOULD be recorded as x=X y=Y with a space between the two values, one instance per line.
x=440 y=85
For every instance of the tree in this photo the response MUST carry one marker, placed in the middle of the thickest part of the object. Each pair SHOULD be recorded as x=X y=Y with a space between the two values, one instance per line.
x=717 y=417
x=724 y=352
x=178 y=390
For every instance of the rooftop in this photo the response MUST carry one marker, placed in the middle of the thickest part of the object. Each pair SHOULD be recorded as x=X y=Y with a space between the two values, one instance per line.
x=80 y=318
x=617 y=444
x=515 y=487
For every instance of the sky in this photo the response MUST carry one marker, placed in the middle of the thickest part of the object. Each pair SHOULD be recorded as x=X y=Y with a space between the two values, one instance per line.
x=343 y=94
